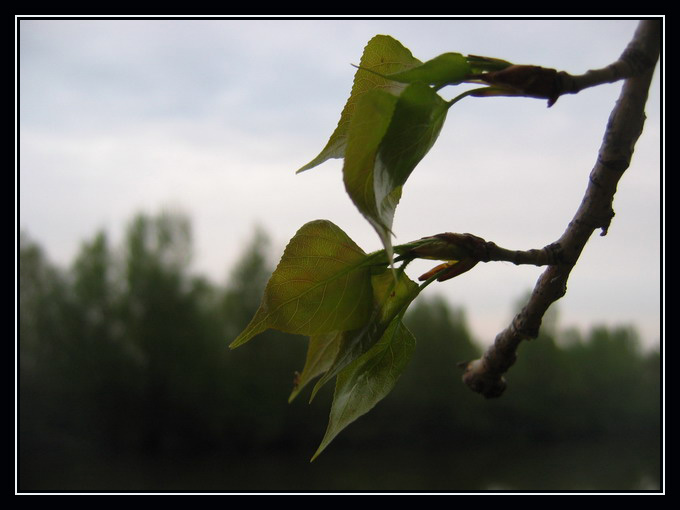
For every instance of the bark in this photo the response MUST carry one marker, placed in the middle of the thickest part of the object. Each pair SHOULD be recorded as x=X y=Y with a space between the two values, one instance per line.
x=636 y=65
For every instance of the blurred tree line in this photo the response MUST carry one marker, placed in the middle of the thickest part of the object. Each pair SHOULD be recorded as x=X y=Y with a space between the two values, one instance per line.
x=125 y=353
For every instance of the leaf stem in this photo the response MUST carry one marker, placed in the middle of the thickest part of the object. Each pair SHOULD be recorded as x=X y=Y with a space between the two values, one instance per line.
x=430 y=280
x=465 y=94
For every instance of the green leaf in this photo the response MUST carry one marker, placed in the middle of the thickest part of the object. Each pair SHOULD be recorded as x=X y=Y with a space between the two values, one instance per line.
x=446 y=69
x=392 y=296
x=322 y=284
x=369 y=126
x=366 y=381
x=387 y=138
x=417 y=120
x=384 y=55
x=321 y=352
x=351 y=345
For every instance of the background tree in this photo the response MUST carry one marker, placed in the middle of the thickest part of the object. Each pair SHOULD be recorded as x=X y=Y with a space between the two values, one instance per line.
x=134 y=389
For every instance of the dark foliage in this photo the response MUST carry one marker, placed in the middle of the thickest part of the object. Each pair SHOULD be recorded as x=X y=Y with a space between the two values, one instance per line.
x=125 y=355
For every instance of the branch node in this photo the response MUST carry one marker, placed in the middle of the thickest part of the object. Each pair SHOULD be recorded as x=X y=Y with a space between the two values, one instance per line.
x=637 y=60
x=481 y=380
x=524 y=327
x=614 y=165
x=555 y=253
x=566 y=83
x=603 y=222
x=607 y=220
x=485 y=253
x=595 y=180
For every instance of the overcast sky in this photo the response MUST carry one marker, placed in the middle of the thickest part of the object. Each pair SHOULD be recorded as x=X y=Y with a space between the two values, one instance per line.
x=213 y=117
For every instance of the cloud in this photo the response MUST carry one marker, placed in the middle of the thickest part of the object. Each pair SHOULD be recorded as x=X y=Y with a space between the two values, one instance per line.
x=215 y=116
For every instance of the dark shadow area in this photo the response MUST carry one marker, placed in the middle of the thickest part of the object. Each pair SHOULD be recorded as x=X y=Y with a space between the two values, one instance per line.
x=126 y=384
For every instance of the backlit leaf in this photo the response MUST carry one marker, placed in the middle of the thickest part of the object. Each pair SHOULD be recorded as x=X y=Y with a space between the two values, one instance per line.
x=416 y=122
x=321 y=352
x=369 y=126
x=367 y=380
x=322 y=284
x=387 y=138
x=384 y=55
x=392 y=296
x=446 y=69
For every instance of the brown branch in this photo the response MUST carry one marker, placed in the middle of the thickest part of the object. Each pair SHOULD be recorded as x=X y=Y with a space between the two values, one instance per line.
x=549 y=255
x=544 y=83
x=464 y=251
x=625 y=125
x=480 y=250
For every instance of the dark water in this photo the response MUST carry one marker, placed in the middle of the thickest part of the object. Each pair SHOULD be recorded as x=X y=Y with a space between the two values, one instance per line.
x=601 y=466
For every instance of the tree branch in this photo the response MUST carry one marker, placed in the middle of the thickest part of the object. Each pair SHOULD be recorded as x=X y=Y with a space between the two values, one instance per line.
x=549 y=255
x=463 y=251
x=452 y=246
x=636 y=58
x=545 y=83
x=625 y=125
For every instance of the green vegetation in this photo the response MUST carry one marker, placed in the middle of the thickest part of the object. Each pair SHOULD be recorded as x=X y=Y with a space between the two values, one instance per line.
x=123 y=362
x=391 y=120
x=351 y=305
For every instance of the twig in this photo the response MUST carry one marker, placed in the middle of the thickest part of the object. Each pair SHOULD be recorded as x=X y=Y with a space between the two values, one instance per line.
x=545 y=83
x=463 y=251
x=625 y=125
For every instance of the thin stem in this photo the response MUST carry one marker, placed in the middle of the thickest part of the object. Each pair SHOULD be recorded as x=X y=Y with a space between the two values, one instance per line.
x=431 y=279
x=467 y=93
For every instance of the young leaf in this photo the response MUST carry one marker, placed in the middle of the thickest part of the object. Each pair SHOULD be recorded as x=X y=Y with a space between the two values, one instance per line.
x=322 y=284
x=446 y=69
x=387 y=138
x=369 y=126
x=321 y=352
x=416 y=122
x=384 y=55
x=351 y=345
x=391 y=297
x=366 y=381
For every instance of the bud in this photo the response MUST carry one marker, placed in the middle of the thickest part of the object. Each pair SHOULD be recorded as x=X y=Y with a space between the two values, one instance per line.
x=528 y=81
x=455 y=268
x=446 y=246
x=481 y=64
